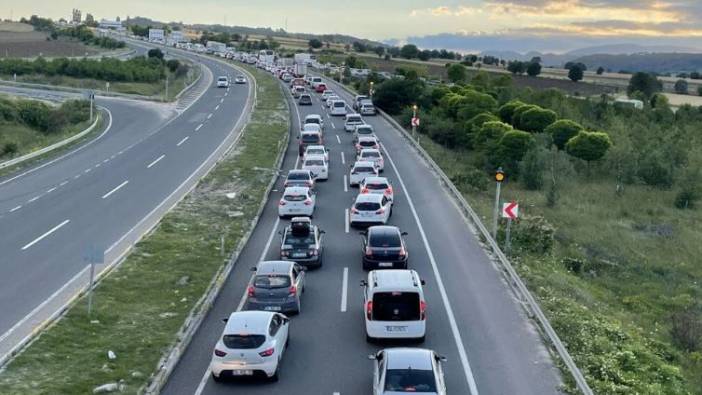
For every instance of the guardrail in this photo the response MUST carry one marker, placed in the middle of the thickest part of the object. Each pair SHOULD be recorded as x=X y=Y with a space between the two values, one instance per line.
x=50 y=148
x=521 y=290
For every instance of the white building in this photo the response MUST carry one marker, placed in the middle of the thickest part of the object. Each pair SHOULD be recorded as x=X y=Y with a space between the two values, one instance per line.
x=177 y=36
x=107 y=24
x=156 y=35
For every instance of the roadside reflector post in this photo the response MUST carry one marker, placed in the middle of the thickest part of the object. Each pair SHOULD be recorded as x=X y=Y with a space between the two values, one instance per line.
x=499 y=177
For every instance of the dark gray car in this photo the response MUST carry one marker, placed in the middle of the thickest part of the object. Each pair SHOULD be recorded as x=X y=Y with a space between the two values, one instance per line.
x=301 y=242
x=276 y=286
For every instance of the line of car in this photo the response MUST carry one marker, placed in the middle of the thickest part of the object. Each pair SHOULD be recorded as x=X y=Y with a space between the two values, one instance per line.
x=254 y=340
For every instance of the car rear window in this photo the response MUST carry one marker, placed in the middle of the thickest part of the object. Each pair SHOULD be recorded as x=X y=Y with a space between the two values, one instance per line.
x=369 y=143
x=271 y=281
x=353 y=119
x=312 y=120
x=365 y=130
x=384 y=239
x=294 y=198
x=243 y=341
x=371 y=154
x=363 y=169
x=310 y=138
x=222 y=78
x=368 y=206
x=339 y=104
x=376 y=185
x=410 y=380
x=396 y=306
x=315 y=151
x=298 y=241
x=314 y=162
x=298 y=176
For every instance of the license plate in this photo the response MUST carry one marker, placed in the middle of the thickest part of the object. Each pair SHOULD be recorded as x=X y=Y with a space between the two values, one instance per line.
x=272 y=308
x=299 y=255
x=396 y=328
x=385 y=264
x=242 y=372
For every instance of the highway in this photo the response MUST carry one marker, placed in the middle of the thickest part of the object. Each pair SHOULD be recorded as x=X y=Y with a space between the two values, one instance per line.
x=473 y=318
x=93 y=196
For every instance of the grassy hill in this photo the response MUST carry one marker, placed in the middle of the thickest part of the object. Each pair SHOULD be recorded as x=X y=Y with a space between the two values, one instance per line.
x=650 y=62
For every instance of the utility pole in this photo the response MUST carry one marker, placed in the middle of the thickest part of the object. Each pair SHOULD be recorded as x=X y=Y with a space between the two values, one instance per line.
x=92 y=99
x=166 y=97
x=499 y=177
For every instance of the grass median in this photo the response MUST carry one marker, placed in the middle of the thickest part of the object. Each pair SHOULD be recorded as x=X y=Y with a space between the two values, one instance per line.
x=140 y=307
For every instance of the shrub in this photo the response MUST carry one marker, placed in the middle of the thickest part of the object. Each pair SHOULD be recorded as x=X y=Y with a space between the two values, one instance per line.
x=35 y=114
x=490 y=134
x=563 y=130
x=531 y=169
x=588 y=146
x=686 y=329
x=686 y=198
x=395 y=94
x=507 y=110
x=9 y=148
x=535 y=120
x=533 y=69
x=511 y=148
x=155 y=53
x=471 y=179
x=173 y=65
x=645 y=83
x=652 y=171
x=456 y=73
x=681 y=87
x=517 y=114
x=533 y=235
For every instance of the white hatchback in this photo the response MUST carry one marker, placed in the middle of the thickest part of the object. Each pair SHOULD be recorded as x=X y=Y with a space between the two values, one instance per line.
x=327 y=93
x=317 y=165
x=361 y=170
x=378 y=185
x=296 y=202
x=252 y=343
x=338 y=107
x=372 y=155
x=317 y=150
x=330 y=100
x=370 y=209
x=314 y=118
x=352 y=120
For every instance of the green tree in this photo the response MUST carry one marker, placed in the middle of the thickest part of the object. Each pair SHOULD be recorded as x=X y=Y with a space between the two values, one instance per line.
x=489 y=134
x=532 y=167
x=155 y=53
x=456 y=73
x=563 y=130
x=315 y=43
x=589 y=146
x=409 y=51
x=517 y=114
x=535 y=120
x=395 y=94
x=516 y=67
x=681 y=87
x=645 y=83
x=379 y=50
x=600 y=70
x=511 y=148
x=576 y=73
x=507 y=110
x=533 y=69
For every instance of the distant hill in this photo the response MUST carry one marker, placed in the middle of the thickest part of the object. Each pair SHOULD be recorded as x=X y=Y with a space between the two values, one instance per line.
x=649 y=62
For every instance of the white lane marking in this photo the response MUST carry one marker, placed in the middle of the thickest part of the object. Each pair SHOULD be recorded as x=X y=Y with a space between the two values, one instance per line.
x=217 y=107
x=337 y=393
x=346 y=184
x=120 y=152
x=182 y=141
x=33 y=199
x=105 y=161
x=156 y=161
x=344 y=289
x=209 y=116
x=343 y=158
x=346 y=220
x=87 y=170
x=97 y=165
x=115 y=189
x=338 y=139
x=198 y=127
x=333 y=126
x=63 y=183
x=226 y=94
x=76 y=177
x=12 y=211
x=468 y=372
x=113 y=156
x=51 y=189
x=50 y=231
x=222 y=100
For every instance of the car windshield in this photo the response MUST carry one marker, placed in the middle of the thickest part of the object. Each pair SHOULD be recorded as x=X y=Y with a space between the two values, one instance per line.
x=314 y=162
x=315 y=151
x=222 y=78
x=243 y=341
x=396 y=306
x=385 y=239
x=377 y=185
x=294 y=198
x=410 y=380
x=363 y=170
x=270 y=281
x=298 y=176
x=298 y=241
x=367 y=206
x=310 y=138
x=371 y=154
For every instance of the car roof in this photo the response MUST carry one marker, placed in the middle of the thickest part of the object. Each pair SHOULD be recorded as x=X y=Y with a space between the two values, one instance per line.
x=354 y=115
x=315 y=147
x=296 y=171
x=315 y=156
x=369 y=197
x=370 y=150
x=383 y=229
x=405 y=357
x=248 y=322
x=360 y=163
x=274 y=267
x=390 y=280
x=375 y=180
x=367 y=138
x=298 y=191
x=313 y=116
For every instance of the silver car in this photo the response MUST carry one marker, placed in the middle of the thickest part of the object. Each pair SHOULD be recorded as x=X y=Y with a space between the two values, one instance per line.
x=276 y=286
x=408 y=371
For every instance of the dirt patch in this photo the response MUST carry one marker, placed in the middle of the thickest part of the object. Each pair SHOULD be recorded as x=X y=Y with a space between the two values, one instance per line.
x=33 y=43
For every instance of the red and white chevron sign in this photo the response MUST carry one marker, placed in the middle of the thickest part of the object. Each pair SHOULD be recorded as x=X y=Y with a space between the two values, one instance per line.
x=415 y=121
x=510 y=210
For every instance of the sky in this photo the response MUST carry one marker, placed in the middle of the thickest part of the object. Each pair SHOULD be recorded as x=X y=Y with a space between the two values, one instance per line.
x=653 y=21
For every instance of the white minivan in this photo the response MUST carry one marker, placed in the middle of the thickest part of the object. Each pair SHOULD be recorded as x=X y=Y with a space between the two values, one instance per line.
x=394 y=305
x=338 y=107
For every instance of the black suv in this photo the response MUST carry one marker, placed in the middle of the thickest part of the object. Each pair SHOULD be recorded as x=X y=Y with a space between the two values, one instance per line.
x=301 y=242
x=384 y=248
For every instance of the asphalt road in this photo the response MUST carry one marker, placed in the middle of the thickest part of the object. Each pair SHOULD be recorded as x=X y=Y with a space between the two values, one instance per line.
x=473 y=318
x=51 y=216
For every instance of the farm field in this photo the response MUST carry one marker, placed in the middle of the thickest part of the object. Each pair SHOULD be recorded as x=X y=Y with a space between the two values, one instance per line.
x=18 y=40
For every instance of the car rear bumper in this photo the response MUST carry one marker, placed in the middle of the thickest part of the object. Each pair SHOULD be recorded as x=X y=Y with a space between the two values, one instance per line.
x=365 y=221
x=313 y=261
x=288 y=213
x=372 y=264
x=228 y=369
x=380 y=329
x=286 y=306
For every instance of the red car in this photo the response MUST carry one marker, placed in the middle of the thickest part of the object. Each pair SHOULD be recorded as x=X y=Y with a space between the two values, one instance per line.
x=320 y=88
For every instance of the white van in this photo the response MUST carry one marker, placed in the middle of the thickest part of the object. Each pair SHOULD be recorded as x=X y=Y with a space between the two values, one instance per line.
x=315 y=81
x=394 y=305
x=338 y=107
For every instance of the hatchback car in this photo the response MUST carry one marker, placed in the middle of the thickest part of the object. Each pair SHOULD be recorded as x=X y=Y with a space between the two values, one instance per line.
x=252 y=343
x=320 y=87
x=302 y=242
x=316 y=164
x=394 y=305
x=305 y=100
x=299 y=178
x=222 y=82
x=240 y=79
x=326 y=94
x=309 y=138
x=408 y=371
x=364 y=130
x=317 y=150
x=330 y=100
x=361 y=170
x=357 y=100
x=311 y=127
x=370 y=209
x=351 y=121
x=297 y=90
x=379 y=185
x=316 y=119
x=367 y=142
x=384 y=247
x=372 y=155
x=367 y=108
x=276 y=286
x=337 y=108
x=296 y=201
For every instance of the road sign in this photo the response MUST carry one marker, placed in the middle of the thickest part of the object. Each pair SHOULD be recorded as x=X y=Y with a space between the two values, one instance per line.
x=415 y=121
x=510 y=210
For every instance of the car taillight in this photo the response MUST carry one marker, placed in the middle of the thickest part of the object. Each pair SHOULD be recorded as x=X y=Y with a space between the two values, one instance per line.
x=314 y=252
x=403 y=252
x=284 y=253
x=219 y=353
x=281 y=203
x=354 y=210
x=364 y=190
x=423 y=309
x=381 y=211
x=293 y=290
x=369 y=309
x=267 y=353
x=251 y=291
x=369 y=252
x=308 y=202
x=388 y=189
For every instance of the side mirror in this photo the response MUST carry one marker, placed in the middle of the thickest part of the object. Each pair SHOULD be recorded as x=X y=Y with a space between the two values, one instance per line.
x=404 y=233
x=364 y=283
x=423 y=282
x=280 y=232
x=225 y=320
x=286 y=320
x=253 y=268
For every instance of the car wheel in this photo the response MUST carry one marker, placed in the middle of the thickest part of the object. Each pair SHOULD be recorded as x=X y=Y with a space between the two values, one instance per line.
x=216 y=379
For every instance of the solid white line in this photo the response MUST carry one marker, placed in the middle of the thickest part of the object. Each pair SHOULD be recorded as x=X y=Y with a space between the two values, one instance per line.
x=105 y=161
x=63 y=183
x=343 y=158
x=40 y=238
x=346 y=184
x=76 y=176
x=333 y=126
x=344 y=289
x=156 y=161
x=222 y=100
x=182 y=141
x=217 y=107
x=16 y=208
x=97 y=165
x=209 y=116
x=338 y=139
x=346 y=220
x=468 y=372
x=87 y=170
x=337 y=393
x=51 y=190
x=117 y=188
x=199 y=126
x=33 y=199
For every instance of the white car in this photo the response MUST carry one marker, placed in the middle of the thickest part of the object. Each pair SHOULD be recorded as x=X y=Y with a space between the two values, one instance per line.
x=337 y=107
x=326 y=94
x=331 y=100
x=315 y=118
x=297 y=90
x=240 y=79
x=364 y=130
x=296 y=202
x=367 y=142
x=370 y=209
x=361 y=170
x=408 y=371
x=395 y=307
x=314 y=81
x=317 y=150
x=351 y=121
x=222 y=82
x=372 y=155
x=317 y=165
x=312 y=127
x=378 y=185
x=252 y=343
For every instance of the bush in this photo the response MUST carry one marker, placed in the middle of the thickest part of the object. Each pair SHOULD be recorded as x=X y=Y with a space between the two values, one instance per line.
x=35 y=114
x=535 y=120
x=155 y=53
x=563 y=130
x=533 y=235
x=681 y=87
x=686 y=329
x=456 y=73
x=652 y=171
x=470 y=180
x=589 y=146
x=488 y=135
x=395 y=94
x=531 y=169
x=507 y=110
x=517 y=114
x=173 y=65
x=9 y=148
x=686 y=198
x=511 y=148
x=645 y=83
